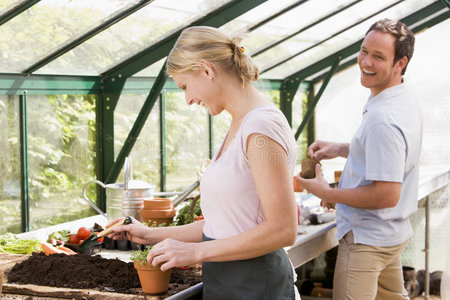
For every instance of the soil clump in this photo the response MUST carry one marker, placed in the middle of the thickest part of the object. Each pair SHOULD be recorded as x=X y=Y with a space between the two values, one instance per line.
x=91 y=272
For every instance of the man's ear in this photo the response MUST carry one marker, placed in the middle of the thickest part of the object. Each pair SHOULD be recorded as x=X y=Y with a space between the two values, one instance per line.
x=208 y=69
x=401 y=63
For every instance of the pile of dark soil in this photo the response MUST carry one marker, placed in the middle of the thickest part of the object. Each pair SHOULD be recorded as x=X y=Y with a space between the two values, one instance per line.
x=90 y=272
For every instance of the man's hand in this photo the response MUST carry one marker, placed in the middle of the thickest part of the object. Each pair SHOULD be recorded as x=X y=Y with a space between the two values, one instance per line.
x=315 y=185
x=327 y=150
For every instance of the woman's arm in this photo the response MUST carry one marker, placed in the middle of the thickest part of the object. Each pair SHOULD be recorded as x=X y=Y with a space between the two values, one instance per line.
x=141 y=234
x=271 y=175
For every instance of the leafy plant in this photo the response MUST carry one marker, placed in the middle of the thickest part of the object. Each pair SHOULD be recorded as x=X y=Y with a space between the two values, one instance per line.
x=140 y=256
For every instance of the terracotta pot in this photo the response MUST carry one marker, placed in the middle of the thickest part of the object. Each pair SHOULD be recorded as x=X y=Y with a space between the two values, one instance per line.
x=158 y=203
x=309 y=167
x=297 y=186
x=153 y=280
x=164 y=216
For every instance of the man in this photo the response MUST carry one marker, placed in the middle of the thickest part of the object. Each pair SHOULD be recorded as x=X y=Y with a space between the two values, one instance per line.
x=378 y=188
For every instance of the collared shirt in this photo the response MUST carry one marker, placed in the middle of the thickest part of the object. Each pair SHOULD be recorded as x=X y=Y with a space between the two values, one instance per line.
x=386 y=147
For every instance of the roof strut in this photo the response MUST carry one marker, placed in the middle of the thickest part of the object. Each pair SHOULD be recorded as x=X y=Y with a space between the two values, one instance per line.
x=122 y=14
x=16 y=10
x=316 y=99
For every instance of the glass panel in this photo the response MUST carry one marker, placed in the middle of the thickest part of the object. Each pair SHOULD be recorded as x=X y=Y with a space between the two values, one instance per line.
x=292 y=21
x=253 y=16
x=145 y=155
x=187 y=143
x=129 y=36
x=61 y=153
x=48 y=25
x=348 y=18
x=153 y=70
x=10 y=182
x=6 y=5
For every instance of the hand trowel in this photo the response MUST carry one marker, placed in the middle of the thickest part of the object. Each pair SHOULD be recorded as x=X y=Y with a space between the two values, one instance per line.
x=92 y=240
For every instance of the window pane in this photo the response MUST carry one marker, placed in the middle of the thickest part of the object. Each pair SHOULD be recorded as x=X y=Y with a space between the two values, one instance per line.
x=322 y=31
x=47 y=26
x=129 y=36
x=187 y=143
x=61 y=152
x=10 y=193
x=145 y=155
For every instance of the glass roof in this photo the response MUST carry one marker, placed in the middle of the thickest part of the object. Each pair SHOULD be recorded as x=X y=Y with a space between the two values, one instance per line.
x=86 y=37
x=323 y=35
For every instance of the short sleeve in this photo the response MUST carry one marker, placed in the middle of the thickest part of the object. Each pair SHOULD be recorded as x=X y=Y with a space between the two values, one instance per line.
x=385 y=153
x=271 y=124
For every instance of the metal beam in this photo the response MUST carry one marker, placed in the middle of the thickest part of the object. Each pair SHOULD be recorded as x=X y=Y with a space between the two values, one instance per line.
x=276 y=15
x=311 y=108
x=270 y=46
x=122 y=14
x=138 y=125
x=276 y=64
x=15 y=84
x=353 y=48
x=16 y=10
x=160 y=49
x=25 y=206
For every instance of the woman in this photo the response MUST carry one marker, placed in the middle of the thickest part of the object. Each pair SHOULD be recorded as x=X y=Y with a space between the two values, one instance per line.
x=248 y=202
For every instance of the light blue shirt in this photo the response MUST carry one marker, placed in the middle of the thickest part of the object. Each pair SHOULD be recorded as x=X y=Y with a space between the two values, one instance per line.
x=386 y=147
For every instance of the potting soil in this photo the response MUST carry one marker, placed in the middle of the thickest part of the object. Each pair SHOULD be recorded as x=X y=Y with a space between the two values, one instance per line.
x=90 y=272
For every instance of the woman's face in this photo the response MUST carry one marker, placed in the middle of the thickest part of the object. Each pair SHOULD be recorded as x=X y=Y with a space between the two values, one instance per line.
x=199 y=88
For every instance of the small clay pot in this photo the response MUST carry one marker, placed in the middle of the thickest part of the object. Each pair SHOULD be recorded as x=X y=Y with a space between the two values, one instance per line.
x=153 y=280
x=159 y=217
x=309 y=167
x=297 y=186
x=158 y=203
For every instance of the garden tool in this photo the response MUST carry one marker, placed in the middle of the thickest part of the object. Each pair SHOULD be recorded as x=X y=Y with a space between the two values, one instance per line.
x=92 y=240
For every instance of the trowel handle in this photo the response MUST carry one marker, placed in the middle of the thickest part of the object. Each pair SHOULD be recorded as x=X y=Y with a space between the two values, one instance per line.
x=124 y=221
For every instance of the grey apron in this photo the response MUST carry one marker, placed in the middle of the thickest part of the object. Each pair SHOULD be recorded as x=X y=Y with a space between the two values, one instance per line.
x=265 y=277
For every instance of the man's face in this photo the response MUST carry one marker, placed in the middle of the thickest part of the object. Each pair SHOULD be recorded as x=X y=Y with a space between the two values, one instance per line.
x=376 y=62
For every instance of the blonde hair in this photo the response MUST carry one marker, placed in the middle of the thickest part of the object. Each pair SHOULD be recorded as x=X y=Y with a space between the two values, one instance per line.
x=207 y=43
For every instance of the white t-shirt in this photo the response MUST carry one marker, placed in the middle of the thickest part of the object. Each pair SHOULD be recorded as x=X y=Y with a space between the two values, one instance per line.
x=229 y=198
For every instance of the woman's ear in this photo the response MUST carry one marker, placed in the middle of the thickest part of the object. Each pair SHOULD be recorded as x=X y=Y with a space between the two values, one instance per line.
x=208 y=69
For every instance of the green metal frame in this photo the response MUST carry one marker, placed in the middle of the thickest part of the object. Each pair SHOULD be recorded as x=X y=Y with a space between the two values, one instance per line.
x=16 y=10
x=277 y=63
x=277 y=42
x=162 y=141
x=84 y=37
x=313 y=104
x=276 y=15
x=25 y=205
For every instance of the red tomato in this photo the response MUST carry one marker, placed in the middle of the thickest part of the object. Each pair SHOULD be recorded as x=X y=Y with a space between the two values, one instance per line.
x=100 y=239
x=73 y=239
x=83 y=233
x=80 y=241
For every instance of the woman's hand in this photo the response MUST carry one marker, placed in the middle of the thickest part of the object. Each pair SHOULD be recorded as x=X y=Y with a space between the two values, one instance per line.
x=171 y=253
x=135 y=232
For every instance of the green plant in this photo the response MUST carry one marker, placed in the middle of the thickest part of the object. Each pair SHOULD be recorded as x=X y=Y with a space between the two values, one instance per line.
x=140 y=256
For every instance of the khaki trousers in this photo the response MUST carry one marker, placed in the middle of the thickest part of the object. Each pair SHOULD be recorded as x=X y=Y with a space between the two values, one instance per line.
x=365 y=272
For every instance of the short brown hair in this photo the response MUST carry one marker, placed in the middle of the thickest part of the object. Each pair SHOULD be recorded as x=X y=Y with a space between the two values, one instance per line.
x=404 y=38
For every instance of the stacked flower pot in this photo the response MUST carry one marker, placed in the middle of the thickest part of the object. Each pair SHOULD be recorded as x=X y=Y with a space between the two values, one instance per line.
x=158 y=211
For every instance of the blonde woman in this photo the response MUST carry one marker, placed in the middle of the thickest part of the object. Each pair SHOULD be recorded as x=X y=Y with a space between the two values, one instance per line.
x=247 y=196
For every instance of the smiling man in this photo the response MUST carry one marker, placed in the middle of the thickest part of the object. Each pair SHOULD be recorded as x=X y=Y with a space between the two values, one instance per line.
x=378 y=189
